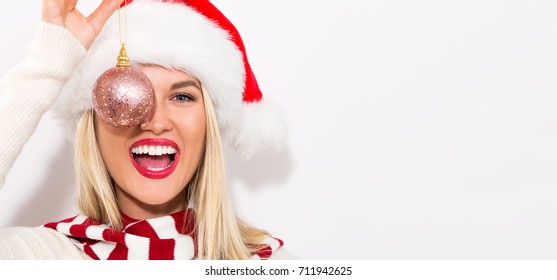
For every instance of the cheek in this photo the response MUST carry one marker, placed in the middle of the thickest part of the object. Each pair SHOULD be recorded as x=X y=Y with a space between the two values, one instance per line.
x=193 y=131
x=200 y=130
x=201 y=127
x=111 y=145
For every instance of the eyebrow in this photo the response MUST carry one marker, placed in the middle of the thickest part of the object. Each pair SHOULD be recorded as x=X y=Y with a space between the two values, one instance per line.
x=184 y=84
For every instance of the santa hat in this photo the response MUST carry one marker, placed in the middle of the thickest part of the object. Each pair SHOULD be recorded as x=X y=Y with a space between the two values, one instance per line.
x=189 y=35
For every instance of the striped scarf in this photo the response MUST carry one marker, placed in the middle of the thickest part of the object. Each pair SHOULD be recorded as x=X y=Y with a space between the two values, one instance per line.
x=170 y=237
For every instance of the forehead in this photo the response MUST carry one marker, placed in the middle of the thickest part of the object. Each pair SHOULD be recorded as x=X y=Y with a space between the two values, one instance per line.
x=161 y=76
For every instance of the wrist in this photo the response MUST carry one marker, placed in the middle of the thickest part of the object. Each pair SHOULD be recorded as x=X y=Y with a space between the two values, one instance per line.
x=57 y=22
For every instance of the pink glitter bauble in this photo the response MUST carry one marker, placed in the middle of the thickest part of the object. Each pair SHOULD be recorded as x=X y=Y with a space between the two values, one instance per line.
x=123 y=97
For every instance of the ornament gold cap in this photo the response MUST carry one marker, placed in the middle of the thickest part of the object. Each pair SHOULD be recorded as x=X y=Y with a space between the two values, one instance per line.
x=123 y=59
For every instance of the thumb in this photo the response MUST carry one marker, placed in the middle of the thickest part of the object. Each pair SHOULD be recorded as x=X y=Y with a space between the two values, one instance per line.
x=99 y=17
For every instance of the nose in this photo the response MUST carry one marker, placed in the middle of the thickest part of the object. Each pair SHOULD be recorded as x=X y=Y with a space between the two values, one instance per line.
x=158 y=122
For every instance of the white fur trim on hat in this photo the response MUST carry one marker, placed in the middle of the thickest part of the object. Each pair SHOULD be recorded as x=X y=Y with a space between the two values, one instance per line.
x=176 y=36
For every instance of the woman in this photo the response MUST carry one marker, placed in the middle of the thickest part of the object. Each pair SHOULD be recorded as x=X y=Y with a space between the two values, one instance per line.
x=154 y=190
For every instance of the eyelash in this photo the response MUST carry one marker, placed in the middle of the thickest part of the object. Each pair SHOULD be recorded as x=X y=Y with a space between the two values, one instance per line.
x=189 y=97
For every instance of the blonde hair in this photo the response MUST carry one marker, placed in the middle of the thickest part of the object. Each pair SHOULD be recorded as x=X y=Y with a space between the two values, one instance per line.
x=220 y=234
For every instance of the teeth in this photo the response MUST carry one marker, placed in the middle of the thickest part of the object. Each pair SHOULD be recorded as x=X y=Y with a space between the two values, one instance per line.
x=154 y=150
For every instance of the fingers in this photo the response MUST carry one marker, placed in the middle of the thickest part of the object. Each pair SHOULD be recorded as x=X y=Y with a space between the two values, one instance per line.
x=70 y=5
x=56 y=11
x=99 y=17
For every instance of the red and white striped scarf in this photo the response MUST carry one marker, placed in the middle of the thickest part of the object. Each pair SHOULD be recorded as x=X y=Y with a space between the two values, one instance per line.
x=170 y=237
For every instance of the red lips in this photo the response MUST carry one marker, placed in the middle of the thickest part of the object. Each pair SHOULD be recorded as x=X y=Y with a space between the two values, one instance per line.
x=153 y=150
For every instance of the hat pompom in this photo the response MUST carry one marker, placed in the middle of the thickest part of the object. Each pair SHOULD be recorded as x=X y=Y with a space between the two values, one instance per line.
x=263 y=128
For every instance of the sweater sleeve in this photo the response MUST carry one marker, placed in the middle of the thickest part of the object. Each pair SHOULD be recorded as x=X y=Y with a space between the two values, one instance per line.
x=28 y=90
x=20 y=243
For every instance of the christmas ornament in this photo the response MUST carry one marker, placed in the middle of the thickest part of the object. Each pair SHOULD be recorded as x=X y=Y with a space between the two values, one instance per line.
x=123 y=96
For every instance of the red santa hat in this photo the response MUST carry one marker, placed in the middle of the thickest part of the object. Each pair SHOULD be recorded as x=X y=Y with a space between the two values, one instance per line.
x=193 y=36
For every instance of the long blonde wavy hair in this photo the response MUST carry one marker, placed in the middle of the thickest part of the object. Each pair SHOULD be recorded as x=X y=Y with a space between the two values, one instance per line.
x=220 y=234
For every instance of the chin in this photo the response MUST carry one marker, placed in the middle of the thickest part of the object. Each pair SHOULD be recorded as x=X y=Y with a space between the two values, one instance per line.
x=156 y=193
x=155 y=201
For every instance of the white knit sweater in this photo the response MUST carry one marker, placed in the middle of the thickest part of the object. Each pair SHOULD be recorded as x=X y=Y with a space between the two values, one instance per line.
x=26 y=93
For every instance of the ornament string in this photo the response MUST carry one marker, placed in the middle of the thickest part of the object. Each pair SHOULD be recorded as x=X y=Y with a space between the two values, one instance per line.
x=123 y=42
x=123 y=96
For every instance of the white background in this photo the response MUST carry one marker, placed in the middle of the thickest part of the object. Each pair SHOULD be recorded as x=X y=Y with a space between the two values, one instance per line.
x=419 y=129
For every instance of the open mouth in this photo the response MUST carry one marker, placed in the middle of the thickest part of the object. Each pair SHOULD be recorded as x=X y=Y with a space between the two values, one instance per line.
x=154 y=158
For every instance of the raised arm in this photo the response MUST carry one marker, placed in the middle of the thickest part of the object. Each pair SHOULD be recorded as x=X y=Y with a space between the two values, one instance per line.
x=29 y=90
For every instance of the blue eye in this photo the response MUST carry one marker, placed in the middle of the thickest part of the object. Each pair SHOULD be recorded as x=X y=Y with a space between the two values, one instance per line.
x=181 y=97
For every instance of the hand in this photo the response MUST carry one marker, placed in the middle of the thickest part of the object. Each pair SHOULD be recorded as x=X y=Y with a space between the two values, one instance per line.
x=85 y=29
